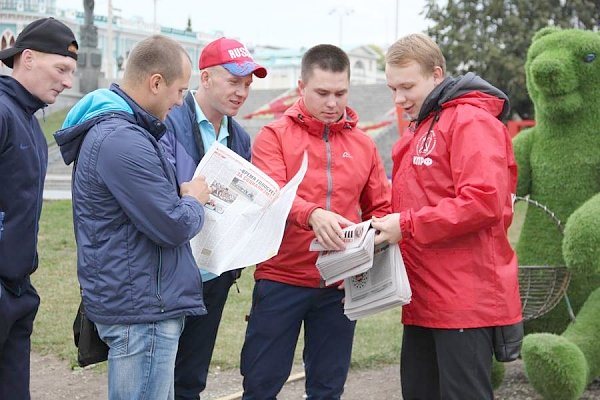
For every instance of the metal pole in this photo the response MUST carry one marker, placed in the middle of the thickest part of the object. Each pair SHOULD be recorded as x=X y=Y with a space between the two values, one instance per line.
x=109 y=43
x=397 y=9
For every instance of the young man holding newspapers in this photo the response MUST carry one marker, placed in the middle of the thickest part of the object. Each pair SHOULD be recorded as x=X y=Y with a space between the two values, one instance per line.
x=345 y=184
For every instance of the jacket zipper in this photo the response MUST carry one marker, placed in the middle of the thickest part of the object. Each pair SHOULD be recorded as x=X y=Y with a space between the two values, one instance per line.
x=329 y=177
x=158 y=296
x=40 y=192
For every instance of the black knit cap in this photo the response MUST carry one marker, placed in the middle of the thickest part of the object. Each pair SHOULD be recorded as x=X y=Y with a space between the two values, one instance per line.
x=46 y=35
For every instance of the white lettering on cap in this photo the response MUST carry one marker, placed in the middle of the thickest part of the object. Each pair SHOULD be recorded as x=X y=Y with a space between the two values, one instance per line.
x=238 y=52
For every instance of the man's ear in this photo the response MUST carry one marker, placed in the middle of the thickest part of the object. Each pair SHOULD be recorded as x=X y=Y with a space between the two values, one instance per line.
x=438 y=75
x=26 y=58
x=204 y=77
x=301 y=86
x=156 y=80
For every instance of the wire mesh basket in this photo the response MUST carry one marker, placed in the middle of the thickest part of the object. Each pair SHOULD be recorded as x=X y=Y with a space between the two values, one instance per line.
x=542 y=286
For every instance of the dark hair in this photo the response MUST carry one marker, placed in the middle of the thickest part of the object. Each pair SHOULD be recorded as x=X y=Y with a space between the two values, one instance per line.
x=326 y=57
x=155 y=55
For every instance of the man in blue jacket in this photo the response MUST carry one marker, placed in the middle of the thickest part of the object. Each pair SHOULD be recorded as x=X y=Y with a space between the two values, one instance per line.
x=226 y=69
x=132 y=222
x=43 y=60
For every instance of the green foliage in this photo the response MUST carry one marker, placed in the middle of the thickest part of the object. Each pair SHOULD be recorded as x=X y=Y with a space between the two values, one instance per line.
x=563 y=76
x=498 y=372
x=491 y=37
x=56 y=282
x=554 y=366
x=559 y=161
x=51 y=123
x=380 y=56
x=583 y=333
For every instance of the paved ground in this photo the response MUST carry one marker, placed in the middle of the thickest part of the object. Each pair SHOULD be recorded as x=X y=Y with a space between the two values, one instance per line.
x=52 y=379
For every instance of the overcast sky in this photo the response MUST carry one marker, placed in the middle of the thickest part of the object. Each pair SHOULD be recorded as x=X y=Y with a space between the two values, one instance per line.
x=283 y=23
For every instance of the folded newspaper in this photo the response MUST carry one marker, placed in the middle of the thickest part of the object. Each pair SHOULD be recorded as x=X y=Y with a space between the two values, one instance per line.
x=383 y=286
x=246 y=214
x=356 y=258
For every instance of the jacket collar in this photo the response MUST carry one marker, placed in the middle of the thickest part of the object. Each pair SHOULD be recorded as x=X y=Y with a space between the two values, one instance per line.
x=314 y=126
x=454 y=87
x=142 y=117
x=22 y=96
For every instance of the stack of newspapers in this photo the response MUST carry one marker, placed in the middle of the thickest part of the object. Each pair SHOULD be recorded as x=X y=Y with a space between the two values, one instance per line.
x=383 y=286
x=356 y=258
x=374 y=276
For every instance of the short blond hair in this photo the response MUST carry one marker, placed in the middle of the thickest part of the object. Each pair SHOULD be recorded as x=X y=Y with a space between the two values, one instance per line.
x=416 y=47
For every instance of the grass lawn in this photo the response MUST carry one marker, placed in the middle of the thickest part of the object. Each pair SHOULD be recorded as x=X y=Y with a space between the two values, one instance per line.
x=377 y=339
x=51 y=123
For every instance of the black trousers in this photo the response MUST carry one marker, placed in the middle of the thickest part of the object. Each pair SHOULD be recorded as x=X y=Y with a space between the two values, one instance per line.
x=446 y=364
x=197 y=341
x=17 y=313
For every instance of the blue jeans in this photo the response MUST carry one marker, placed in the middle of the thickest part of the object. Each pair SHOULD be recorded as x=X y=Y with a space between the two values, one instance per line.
x=141 y=359
x=278 y=312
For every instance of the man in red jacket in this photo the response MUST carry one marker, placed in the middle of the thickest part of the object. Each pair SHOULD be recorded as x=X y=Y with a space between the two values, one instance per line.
x=345 y=184
x=453 y=179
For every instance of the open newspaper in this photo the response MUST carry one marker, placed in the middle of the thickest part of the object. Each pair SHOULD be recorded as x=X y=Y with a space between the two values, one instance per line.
x=356 y=258
x=383 y=286
x=246 y=212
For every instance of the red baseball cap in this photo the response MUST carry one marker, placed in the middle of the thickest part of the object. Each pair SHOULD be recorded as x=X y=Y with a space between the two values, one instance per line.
x=231 y=55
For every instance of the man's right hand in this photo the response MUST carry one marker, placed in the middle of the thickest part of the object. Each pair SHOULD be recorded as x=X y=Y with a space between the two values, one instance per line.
x=327 y=228
x=197 y=188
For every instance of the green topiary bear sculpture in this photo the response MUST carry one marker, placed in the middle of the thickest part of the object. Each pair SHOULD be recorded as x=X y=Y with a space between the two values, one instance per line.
x=559 y=166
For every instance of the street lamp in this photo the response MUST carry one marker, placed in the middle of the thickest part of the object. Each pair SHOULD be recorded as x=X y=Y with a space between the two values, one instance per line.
x=341 y=12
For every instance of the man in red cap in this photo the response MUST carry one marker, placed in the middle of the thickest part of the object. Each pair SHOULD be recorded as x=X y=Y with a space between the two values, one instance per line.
x=226 y=73
x=43 y=61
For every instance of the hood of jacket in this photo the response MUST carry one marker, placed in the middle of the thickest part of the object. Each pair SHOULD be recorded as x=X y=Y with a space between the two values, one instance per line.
x=301 y=116
x=95 y=107
x=20 y=94
x=466 y=87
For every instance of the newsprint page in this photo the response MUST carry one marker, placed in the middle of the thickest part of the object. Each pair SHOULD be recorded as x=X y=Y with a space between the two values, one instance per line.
x=246 y=212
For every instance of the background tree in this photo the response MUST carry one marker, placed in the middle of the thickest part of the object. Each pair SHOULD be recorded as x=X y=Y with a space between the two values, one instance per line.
x=380 y=56
x=491 y=37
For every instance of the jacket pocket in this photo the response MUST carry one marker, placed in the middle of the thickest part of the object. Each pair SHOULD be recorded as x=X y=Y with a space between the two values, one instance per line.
x=158 y=293
x=450 y=276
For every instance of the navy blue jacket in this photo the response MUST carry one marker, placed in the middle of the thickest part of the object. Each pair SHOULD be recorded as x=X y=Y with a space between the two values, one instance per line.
x=134 y=261
x=184 y=147
x=23 y=163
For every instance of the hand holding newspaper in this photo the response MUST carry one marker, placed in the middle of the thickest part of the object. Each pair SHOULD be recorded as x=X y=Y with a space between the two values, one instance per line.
x=356 y=258
x=374 y=276
x=245 y=215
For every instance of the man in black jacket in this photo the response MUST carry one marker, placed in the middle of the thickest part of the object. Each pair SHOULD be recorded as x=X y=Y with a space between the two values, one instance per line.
x=43 y=61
